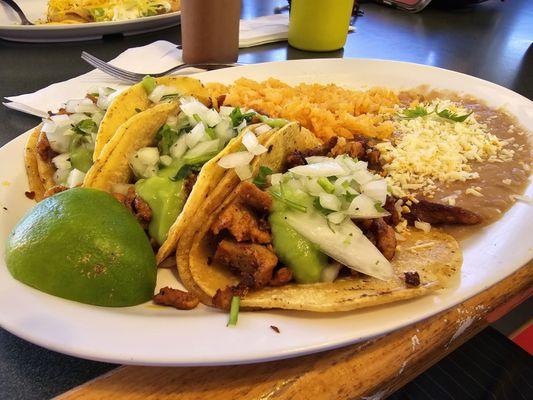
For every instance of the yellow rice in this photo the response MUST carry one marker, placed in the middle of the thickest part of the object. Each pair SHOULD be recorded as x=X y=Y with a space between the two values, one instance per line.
x=326 y=110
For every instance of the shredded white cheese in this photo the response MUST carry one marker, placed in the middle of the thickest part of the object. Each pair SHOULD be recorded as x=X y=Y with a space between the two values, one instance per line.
x=423 y=226
x=430 y=150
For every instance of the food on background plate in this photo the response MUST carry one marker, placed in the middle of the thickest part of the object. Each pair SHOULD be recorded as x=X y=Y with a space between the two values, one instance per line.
x=311 y=233
x=83 y=11
x=83 y=245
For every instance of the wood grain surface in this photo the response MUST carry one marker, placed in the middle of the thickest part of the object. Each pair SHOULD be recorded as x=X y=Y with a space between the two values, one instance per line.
x=375 y=368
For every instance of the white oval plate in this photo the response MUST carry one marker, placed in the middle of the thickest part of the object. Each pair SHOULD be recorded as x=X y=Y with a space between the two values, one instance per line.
x=10 y=28
x=151 y=335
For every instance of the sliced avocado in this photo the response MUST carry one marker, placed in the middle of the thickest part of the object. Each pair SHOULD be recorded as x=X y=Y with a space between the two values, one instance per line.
x=166 y=198
x=303 y=257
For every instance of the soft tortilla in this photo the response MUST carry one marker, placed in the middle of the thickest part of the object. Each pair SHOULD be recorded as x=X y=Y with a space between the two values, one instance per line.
x=135 y=99
x=436 y=257
x=197 y=203
x=112 y=165
x=289 y=138
x=31 y=163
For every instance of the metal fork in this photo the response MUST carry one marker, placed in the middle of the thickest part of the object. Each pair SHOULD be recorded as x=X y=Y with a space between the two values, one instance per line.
x=23 y=19
x=136 y=77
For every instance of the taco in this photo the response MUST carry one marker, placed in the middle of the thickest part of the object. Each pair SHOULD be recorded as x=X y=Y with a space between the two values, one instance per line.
x=162 y=163
x=61 y=150
x=312 y=231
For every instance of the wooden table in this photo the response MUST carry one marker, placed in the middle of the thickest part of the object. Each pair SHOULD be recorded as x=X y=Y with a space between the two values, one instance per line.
x=490 y=41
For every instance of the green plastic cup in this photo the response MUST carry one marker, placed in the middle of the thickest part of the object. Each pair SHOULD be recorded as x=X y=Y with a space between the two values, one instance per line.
x=319 y=25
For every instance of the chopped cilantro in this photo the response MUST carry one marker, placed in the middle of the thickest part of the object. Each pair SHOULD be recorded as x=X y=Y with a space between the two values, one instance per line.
x=416 y=112
x=237 y=116
x=185 y=170
x=166 y=136
x=447 y=114
x=260 y=179
x=379 y=207
x=85 y=126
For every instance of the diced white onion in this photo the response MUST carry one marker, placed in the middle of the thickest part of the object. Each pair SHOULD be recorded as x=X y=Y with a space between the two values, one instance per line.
x=376 y=190
x=61 y=119
x=336 y=217
x=60 y=176
x=344 y=242
x=244 y=172
x=165 y=160
x=194 y=107
x=317 y=159
x=211 y=117
x=145 y=162
x=160 y=91
x=241 y=126
x=202 y=148
x=48 y=126
x=423 y=226
x=62 y=161
x=330 y=201
x=224 y=130
x=249 y=140
x=364 y=207
x=330 y=273
x=75 y=178
x=261 y=129
x=86 y=106
x=178 y=149
x=225 y=110
x=312 y=187
x=275 y=179
x=97 y=117
x=235 y=159
x=195 y=135
x=72 y=105
x=327 y=168
x=362 y=176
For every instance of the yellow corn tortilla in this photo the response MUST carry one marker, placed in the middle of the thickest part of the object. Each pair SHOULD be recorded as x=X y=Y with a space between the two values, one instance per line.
x=197 y=203
x=289 y=138
x=112 y=165
x=135 y=99
x=436 y=257
x=31 y=164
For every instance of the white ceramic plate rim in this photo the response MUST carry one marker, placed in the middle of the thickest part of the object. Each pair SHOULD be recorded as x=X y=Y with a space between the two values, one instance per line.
x=148 y=336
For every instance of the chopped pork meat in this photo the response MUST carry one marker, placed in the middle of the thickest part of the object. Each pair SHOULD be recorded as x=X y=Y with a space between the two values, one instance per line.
x=44 y=149
x=242 y=224
x=436 y=213
x=176 y=298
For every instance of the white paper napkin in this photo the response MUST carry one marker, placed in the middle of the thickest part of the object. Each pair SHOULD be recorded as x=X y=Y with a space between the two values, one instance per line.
x=155 y=57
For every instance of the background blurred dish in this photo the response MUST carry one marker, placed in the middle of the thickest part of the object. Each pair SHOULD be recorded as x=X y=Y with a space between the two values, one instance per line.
x=10 y=28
